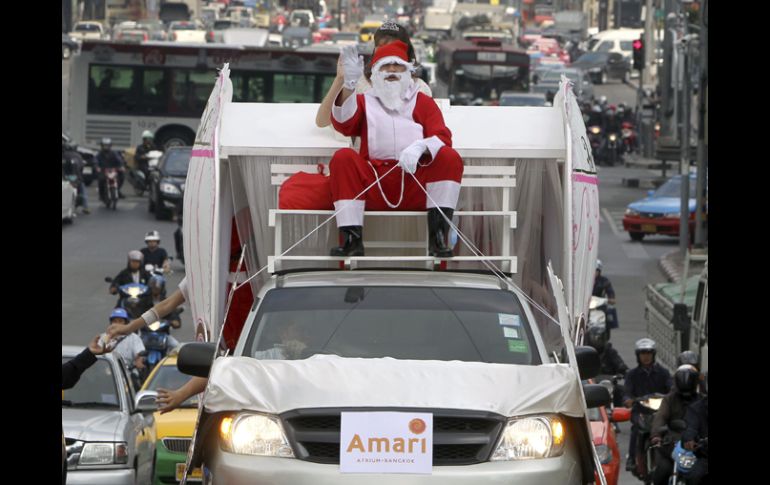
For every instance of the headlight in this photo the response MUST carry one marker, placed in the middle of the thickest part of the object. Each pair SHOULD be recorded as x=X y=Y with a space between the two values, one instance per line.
x=255 y=434
x=674 y=215
x=604 y=453
x=653 y=403
x=169 y=188
x=596 y=130
x=686 y=460
x=531 y=438
x=103 y=454
x=631 y=212
x=613 y=137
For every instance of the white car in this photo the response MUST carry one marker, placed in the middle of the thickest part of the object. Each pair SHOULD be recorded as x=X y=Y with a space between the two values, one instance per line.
x=88 y=30
x=185 y=31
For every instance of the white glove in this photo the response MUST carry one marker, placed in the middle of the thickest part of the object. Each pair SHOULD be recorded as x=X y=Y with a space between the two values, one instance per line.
x=411 y=155
x=352 y=66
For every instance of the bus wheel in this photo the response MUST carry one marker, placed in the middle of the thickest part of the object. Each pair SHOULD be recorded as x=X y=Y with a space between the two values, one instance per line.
x=176 y=137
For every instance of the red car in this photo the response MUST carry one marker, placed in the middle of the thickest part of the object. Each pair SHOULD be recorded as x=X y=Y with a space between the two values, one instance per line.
x=604 y=440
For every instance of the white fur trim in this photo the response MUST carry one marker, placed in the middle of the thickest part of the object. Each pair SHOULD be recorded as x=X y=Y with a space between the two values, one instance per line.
x=346 y=111
x=434 y=144
x=351 y=213
x=393 y=60
x=444 y=194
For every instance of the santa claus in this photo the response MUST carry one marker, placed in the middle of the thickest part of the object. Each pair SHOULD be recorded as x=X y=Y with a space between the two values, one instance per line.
x=398 y=125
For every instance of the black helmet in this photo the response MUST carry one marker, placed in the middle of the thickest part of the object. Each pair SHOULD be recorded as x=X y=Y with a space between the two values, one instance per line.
x=686 y=379
x=597 y=337
x=687 y=357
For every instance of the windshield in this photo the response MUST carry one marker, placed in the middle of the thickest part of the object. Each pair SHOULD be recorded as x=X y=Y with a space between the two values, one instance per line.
x=673 y=188
x=419 y=323
x=592 y=57
x=222 y=24
x=169 y=377
x=605 y=46
x=177 y=161
x=87 y=28
x=626 y=45
x=95 y=389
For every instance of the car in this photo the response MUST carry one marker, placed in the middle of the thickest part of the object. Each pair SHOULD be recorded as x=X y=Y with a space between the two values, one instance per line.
x=186 y=31
x=167 y=183
x=514 y=98
x=529 y=36
x=403 y=340
x=109 y=433
x=367 y=30
x=658 y=213
x=217 y=31
x=582 y=85
x=302 y=18
x=616 y=40
x=546 y=46
x=132 y=36
x=69 y=46
x=296 y=37
x=155 y=28
x=605 y=440
x=601 y=66
x=174 y=430
x=345 y=38
x=88 y=30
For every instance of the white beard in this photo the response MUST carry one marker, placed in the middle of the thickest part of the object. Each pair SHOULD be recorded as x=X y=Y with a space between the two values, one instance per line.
x=392 y=94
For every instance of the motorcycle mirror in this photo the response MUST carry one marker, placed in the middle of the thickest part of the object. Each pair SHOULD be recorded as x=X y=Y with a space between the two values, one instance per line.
x=107 y=279
x=620 y=415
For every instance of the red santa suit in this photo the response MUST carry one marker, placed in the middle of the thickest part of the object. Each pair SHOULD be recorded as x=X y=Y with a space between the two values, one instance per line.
x=384 y=134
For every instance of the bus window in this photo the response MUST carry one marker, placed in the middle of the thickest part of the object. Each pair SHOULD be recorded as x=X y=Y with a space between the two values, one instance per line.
x=190 y=91
x=248 y=89
x=111 y=89
x=154 y=97
x=293 y=88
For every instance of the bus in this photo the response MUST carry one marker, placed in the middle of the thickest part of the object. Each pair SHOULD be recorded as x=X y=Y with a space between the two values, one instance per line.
x=470 y=70
x=119 y=90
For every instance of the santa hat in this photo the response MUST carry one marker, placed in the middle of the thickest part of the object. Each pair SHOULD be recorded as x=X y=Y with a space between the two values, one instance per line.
x=391 y=53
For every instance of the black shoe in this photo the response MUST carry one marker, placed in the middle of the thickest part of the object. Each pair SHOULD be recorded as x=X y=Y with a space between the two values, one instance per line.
x=354 y=242
x=630 y=464
x=438 y=228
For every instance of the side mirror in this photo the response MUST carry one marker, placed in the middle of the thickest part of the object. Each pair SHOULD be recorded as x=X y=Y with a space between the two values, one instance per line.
x=588 y=362
x=195 y=358
x=620 y=415
x=596 y=395
x=107 y=279
x=146 y=402
x=678 y=425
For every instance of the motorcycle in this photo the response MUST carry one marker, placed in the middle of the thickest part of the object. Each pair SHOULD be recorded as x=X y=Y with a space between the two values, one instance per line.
x=684 y=461
x=134 y=297
x=155 y=338
x=628 y=135
x=611 y=149
x=595 y=139
x=138 y=179
x=111 y=196
x=647 y=406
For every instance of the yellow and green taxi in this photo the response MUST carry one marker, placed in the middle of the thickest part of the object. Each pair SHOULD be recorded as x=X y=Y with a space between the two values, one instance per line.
x=174 y=429
x=367 y=31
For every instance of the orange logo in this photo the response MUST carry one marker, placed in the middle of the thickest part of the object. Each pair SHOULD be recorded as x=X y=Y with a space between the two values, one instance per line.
x=417 y=426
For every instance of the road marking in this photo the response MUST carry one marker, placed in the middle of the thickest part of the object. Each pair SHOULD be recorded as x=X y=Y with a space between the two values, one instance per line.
x=611 y=221
x=635 y=250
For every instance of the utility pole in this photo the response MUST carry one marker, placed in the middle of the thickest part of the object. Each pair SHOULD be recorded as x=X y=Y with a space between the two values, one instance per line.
x=650 y=53
x=700 y=192
x=684 y=139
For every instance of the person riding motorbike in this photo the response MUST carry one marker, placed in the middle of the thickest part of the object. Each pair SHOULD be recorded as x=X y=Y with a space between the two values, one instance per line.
x=687 y=357
x=130 y=347
x=140 y=155
x=648 y=377
x=154 y=254
x=108 y=158
x=73 y=164
x=603 y=289
x=673 y=406
x=695 y=437
x=132 y=273
x=611 y=362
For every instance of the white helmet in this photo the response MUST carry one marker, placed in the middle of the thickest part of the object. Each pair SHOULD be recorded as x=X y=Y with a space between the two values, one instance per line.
x=599 y=264
x=135 y=256
x=644 y=345
x=152 y=236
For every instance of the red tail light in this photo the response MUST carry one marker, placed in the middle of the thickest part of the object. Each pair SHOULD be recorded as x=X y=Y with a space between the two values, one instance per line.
x=210 y=36
x=145 y=37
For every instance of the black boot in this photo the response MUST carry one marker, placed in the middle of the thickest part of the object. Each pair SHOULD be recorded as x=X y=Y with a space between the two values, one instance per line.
x=438 y=228
x=354 y=242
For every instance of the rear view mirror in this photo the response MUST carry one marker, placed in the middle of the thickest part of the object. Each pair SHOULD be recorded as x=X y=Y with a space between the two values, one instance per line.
x=588 y=362
x=195 y=358
x=620 y=415
x=596 y=395
x=146 y=402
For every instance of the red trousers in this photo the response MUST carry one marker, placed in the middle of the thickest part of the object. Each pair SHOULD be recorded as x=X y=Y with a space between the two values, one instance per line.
x=350 y=174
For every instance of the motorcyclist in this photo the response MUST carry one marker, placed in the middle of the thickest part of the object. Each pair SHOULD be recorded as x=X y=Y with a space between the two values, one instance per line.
x=131 y=347
x=108 y=158
x=673 y=406
x=154 y=254
x=595 y=116
x=157 y=286
x=140 y=155
x=132 y=273
x=603 y=289
x=687 y=357
x=697 y=418
x=611 y=362
x=648 y=377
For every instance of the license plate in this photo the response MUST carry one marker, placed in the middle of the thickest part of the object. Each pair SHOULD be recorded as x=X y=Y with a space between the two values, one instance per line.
x=649 y=228
x=491 y=56
x=87 y=170
x=195 y=476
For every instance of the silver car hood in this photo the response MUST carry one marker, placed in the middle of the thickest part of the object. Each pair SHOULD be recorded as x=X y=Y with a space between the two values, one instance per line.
x=93 y=424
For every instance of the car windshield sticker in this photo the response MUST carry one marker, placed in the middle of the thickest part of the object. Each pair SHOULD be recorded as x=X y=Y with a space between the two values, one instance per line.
x=510 y=332
x=518 y=346
x=508 y=319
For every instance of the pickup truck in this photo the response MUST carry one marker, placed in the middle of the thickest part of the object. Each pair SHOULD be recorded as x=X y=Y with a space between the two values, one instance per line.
x=88 y=30
x=185 y=31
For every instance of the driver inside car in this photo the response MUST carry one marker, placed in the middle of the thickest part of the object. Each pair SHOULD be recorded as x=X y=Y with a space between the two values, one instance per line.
x=290 y=345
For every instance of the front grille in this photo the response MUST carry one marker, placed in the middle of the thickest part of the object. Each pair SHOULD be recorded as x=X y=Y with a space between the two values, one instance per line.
x=650 y=215
x=177 y=445
x=459 y=437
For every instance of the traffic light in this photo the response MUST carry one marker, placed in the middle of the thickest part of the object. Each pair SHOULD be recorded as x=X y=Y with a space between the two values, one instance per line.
x=638 y=54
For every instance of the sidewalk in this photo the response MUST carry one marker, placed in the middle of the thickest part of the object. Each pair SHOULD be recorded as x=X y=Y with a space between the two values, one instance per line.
x=672 y=264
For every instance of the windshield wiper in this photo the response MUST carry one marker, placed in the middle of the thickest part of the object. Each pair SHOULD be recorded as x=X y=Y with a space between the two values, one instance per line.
x=93 y=404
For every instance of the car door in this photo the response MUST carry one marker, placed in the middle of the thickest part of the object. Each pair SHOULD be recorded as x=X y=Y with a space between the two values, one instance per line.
x=141 y=433
x=616 y=65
